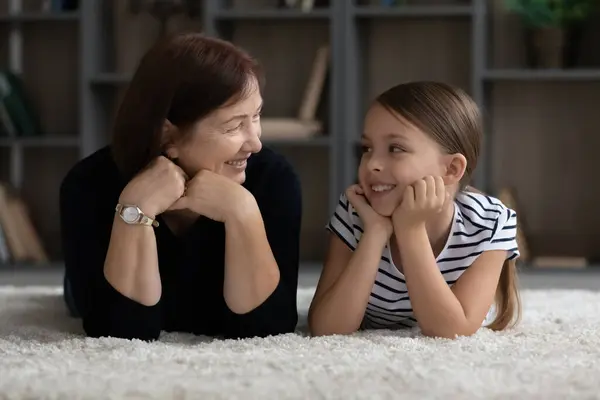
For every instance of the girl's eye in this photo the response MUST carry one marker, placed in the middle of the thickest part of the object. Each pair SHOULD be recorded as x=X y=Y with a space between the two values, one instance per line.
x=365 y=149
x=257 y=115
x=396 y=149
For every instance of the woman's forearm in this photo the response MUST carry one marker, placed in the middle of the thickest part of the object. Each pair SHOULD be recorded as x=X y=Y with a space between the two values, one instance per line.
x=341 y=309
x=131 y=264
x=251 y=271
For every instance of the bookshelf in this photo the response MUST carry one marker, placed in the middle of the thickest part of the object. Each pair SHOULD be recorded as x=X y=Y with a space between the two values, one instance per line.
x=86 y=58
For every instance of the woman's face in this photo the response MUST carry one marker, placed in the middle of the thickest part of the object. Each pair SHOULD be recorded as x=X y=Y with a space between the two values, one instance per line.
x=224 y=140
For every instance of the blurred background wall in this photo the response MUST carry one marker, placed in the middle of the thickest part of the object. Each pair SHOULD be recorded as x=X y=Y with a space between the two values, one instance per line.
x=532 y=66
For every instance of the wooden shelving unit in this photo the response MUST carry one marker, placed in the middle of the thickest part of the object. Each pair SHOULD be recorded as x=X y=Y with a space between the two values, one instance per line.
x=77 y=64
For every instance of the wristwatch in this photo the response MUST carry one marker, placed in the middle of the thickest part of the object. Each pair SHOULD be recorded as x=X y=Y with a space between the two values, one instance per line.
x=132 y=215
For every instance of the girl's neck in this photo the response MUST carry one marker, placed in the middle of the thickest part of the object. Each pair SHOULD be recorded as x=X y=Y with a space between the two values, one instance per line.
x=439 y=227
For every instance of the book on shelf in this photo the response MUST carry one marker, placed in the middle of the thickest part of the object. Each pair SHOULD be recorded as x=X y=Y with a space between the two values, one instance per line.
x=305 y=124
x=18 y=117
x=19 y=240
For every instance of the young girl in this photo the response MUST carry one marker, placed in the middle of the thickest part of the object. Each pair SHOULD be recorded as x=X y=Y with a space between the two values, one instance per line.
x=411 y=245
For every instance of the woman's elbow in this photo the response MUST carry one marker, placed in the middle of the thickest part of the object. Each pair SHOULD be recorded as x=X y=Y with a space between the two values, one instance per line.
x=93 y=329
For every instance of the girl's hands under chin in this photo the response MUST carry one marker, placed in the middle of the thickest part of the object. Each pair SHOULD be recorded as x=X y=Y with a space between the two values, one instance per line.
x=421 y=201
x=372 y=221
x=215 y=196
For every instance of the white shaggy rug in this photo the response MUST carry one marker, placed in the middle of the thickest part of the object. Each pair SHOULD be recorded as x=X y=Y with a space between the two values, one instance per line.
x=554 y=354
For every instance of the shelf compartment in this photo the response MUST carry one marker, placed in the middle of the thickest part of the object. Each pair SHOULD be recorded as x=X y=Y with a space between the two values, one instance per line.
x=43 y=173
x=50 y=76
x=544 y=148
x=447 y=58
x=286 y=77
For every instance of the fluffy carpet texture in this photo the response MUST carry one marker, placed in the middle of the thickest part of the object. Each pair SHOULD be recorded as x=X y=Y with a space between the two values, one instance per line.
x=553 y=354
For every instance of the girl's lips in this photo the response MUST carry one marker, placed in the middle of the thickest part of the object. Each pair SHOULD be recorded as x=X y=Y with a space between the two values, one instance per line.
x=382 y=188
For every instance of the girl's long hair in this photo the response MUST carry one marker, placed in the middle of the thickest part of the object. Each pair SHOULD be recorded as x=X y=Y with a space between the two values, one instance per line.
x=507 y=299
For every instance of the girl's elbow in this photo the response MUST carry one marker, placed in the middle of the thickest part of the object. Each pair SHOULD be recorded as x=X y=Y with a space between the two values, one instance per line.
x=324 y=331
x=316 y=328
x=450 y=332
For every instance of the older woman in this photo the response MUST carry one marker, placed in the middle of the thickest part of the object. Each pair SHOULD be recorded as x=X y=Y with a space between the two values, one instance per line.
x=184 y=223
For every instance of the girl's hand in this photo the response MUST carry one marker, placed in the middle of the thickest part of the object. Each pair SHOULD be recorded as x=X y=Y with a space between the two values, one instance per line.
x=373 y=221
x=421 y=201
x=155 y=188
x=215 y=197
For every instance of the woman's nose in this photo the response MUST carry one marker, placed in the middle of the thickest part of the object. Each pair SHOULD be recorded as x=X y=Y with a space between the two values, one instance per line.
x=253 y=142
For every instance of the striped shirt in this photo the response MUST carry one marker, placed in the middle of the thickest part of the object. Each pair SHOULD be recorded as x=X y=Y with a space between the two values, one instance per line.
x=481 y=223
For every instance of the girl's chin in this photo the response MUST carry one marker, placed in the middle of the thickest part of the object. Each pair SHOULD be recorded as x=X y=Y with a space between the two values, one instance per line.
x=384 y=212
x=383 y=208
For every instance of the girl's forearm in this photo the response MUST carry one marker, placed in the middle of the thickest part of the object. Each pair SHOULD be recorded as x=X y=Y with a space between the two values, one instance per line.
x=436 y=308
x=341 y=309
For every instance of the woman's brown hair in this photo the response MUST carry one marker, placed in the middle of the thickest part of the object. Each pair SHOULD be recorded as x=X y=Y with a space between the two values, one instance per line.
x=182 y=79
x=450 y=117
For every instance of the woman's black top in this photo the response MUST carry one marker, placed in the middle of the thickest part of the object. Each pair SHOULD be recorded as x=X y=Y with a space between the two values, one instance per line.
x=191 y=266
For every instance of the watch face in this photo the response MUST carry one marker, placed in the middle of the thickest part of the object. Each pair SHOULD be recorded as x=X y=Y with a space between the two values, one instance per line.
x=130 y=214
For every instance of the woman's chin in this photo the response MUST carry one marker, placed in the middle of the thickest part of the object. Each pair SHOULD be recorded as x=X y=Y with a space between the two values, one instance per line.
x=236 y=176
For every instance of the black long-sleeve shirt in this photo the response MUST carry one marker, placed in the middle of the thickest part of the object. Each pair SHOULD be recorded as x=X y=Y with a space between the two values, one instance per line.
x=191 y=266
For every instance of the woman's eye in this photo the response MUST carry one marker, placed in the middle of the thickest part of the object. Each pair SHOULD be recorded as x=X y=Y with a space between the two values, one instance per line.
x=396 y=149
x=365 y=149
x=235 y=128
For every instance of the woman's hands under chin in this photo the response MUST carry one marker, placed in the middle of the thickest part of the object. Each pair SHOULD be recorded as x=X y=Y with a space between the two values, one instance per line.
x=216 y=197
x=155 y=188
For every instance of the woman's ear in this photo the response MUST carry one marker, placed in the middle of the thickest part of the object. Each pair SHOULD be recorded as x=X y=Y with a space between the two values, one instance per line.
x=168 y=140
x=456 y=165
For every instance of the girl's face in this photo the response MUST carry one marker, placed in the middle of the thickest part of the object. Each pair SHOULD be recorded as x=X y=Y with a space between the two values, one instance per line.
x=395 y=154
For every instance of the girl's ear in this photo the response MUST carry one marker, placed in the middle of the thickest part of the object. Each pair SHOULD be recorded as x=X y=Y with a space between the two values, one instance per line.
x=168 y=140
x=456 y=165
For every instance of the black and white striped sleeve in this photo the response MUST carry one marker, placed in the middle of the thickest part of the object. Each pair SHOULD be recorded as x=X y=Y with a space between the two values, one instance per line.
x=504 y=236
x=341 y=223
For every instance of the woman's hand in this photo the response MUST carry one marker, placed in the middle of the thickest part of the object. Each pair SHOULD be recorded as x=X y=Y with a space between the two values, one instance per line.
x=156 y=188
x=421 y=201
x=215 y=197
x=373 y=221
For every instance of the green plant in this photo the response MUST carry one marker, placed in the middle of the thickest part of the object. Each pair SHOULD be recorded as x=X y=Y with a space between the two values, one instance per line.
x=547 y=13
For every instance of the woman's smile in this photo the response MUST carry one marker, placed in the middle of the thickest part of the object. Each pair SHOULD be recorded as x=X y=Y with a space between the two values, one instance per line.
x=239 y=163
